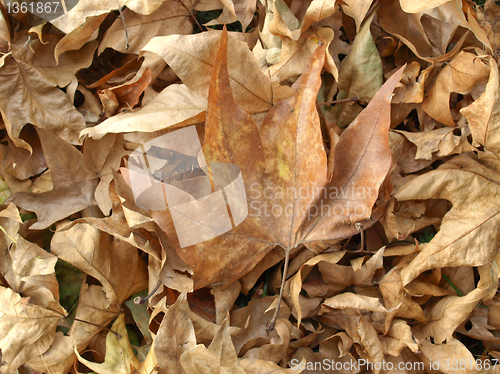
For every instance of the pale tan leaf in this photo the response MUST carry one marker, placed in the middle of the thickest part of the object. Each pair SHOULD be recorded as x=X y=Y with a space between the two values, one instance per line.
x=171 y=18
x=410 y=6
x=294 y=54
x=449 y=312
x=356 y=9
x=219 y=357
x=98 y=255
x=74 y=185
x=27 y=330
x=467 y=235
x=461 y=75
x=192 y=58
x=483 y=114
x=348 y=300
x=28 y=96
x=78 y=37
x=176 y=104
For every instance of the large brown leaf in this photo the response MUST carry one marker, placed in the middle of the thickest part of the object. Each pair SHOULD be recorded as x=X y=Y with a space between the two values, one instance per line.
x=284 y=170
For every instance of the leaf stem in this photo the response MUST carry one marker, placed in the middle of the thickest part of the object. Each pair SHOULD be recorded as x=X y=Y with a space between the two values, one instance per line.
x=127 y=44
x=141 y=300
x=94 y=324
x=338 y=101
x=194 y=18
x=272 y=322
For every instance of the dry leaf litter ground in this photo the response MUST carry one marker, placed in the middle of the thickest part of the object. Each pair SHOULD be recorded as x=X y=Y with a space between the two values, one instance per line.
x=367 y=136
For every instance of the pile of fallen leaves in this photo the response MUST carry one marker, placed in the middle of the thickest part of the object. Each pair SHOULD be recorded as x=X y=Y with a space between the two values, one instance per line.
x=367 y=137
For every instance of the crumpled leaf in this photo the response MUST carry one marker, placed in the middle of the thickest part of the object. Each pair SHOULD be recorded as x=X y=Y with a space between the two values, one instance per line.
x=192 y=58
x=27 y=330
x=32 y=97
x=74 y=185
x=97 y=254
x=351 y=300
x=482 y=115
x=219 y=357
x=103 y=156
x=175 y=336
x=93 y=307
x=360 y=330
x=172 y=17
x=442 y=140
x=120 y=357
x=397 y=299
x=175 y=105
x=466 y=182
x=461 y=75
x=445 y=316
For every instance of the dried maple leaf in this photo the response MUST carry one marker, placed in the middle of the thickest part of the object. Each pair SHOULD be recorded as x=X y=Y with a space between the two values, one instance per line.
x=98 y=255
x=461 y=75
x=483 y=114
x=74 y=185
x=175 y=105
x=467 y=234
x=34 y=98
x=103 y=156
x=447 y=314
x=172 y=17
x=27 y=330
x=285 y=168
x=175 y=336
x=192 y=58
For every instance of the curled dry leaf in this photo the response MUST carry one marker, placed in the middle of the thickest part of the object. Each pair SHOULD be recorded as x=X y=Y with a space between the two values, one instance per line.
x=45 y=106
x=351 y=300
x=27 y=329
x=120 y=356
x=171 y=18
x=175 y=105
x=461 y=75
x=467 y=235
x=483 y=116
x=98 y=255
x=74 y=185
x=219 y=357
x=192 y=58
